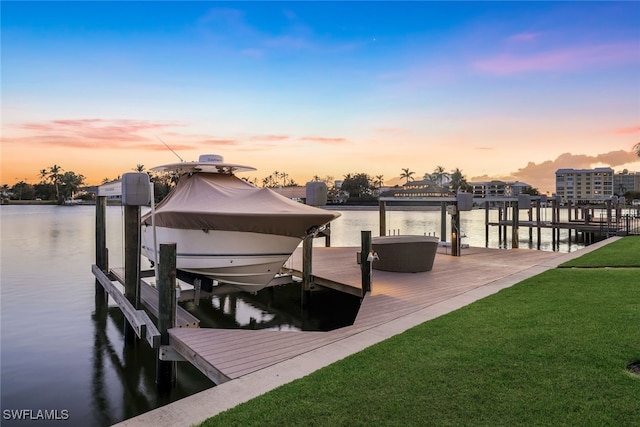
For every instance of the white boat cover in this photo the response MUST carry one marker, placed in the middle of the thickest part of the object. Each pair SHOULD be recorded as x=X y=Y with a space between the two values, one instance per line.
x=212 y=201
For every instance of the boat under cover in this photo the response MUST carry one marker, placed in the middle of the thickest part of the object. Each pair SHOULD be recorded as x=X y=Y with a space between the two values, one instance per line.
x=227 y=228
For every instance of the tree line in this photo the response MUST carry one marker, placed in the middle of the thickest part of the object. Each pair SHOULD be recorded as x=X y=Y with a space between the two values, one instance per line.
x=55 y=184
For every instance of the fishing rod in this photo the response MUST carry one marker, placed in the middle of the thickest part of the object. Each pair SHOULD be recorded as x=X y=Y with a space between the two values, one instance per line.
x=166 y=145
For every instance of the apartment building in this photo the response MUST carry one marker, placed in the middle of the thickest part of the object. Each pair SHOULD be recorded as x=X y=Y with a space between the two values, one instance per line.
x=584 y=184
x=498 y=188
x=626 y=181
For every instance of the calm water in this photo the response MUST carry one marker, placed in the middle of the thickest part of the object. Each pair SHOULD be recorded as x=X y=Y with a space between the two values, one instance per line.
x=58 y=353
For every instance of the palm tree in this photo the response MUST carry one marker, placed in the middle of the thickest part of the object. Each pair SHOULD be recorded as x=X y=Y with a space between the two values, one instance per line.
x=458 y=181
x=54 y=176
x=43 y=175
x=71 y=183
x=407 y=174
x=379 y=181
x=139 y=168
x=439 y=176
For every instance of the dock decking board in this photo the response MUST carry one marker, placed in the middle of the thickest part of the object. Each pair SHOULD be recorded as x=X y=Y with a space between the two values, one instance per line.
x=224 y=354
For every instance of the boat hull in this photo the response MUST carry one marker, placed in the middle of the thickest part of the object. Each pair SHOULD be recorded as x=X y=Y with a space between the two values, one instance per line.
x=244 y=259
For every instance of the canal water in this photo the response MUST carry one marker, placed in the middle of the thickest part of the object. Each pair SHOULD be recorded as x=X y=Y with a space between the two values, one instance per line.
x=59 y=355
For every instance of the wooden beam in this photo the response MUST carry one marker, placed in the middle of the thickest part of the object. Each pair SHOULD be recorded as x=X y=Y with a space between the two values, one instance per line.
x=139 y=320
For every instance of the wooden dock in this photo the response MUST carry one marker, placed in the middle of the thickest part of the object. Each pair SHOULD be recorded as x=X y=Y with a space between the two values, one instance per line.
x=226 y=354
x=149 y=298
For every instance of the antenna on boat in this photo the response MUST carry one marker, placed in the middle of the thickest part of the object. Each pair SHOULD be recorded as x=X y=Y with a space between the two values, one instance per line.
x=166 y=145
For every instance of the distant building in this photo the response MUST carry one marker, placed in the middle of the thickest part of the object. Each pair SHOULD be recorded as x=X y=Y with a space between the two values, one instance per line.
x=496 y=188
x=422 y=188
x=626 y=181
x=584 y=184
x=296 y=192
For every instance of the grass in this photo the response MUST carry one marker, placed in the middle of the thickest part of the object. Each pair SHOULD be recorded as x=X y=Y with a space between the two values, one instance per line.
x=621 y=253
x=551 y=350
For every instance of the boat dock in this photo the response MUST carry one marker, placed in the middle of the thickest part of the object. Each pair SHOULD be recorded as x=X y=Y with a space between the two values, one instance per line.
x=227 y=354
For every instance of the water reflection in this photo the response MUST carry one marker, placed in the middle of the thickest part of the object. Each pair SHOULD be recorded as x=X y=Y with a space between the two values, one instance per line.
x=276 y=308
x=132 y=390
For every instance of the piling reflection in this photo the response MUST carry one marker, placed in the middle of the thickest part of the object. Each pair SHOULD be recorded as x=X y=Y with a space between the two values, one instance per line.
x=124 y=373
x=123 y=383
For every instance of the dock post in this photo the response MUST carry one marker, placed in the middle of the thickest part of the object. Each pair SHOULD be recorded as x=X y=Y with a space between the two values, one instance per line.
x=135 y=193
x=553 y=224
x=486 y=224
x=365 y=264
x=499 y=226
x=131 y=261
x=382 y=207
x=307 y=257
x=443 y=221
x=506 y=219
x=530 y=225
x=166 y=370
x=455 y=232
x=538 y=223
x=102 y=260
x=608 y=205
x=327 y=236
x=515 y=225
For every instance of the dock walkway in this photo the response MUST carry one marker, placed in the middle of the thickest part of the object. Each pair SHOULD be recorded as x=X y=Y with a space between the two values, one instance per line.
x=224 y=355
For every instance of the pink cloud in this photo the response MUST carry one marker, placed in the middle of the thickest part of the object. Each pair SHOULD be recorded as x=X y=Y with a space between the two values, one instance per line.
x=93 y=133
x=560 y=59
x=323 y=140
x=627 y=131
x=225 y=142
x=270 y=137
x=524 y=37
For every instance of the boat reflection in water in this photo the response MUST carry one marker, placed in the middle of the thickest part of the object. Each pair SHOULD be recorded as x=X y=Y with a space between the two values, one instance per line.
x=277 y=308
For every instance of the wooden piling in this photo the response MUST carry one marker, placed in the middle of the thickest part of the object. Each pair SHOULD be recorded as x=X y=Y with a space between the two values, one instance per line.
x=166 y=370
x=538 y=229
x=382 y=205
x=131 y=261
x=486 y=224
x=506 y=218
x=455 y=233
x=443 y=221
x=102 y=259
x=307 y=259
x=500 y=226
x=365 y=264
x=515 y=241
x=530 y=213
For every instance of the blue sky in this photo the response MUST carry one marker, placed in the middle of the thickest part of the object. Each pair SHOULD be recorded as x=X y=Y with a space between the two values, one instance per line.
x=506 y=89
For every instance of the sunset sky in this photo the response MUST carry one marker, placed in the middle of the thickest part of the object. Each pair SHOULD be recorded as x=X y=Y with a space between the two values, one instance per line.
x=508 y=89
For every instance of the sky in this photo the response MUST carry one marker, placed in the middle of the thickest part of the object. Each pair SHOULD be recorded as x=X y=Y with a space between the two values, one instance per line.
x=507 y=90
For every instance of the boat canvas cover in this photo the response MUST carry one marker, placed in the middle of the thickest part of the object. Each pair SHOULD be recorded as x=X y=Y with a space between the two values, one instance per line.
x=206 y=201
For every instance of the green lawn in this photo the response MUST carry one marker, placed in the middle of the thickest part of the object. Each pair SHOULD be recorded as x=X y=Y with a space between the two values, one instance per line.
x=551 y=350
x=621 y=253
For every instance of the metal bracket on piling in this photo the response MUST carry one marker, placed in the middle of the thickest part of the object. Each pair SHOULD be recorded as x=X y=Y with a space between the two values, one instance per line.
x=169 y=354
